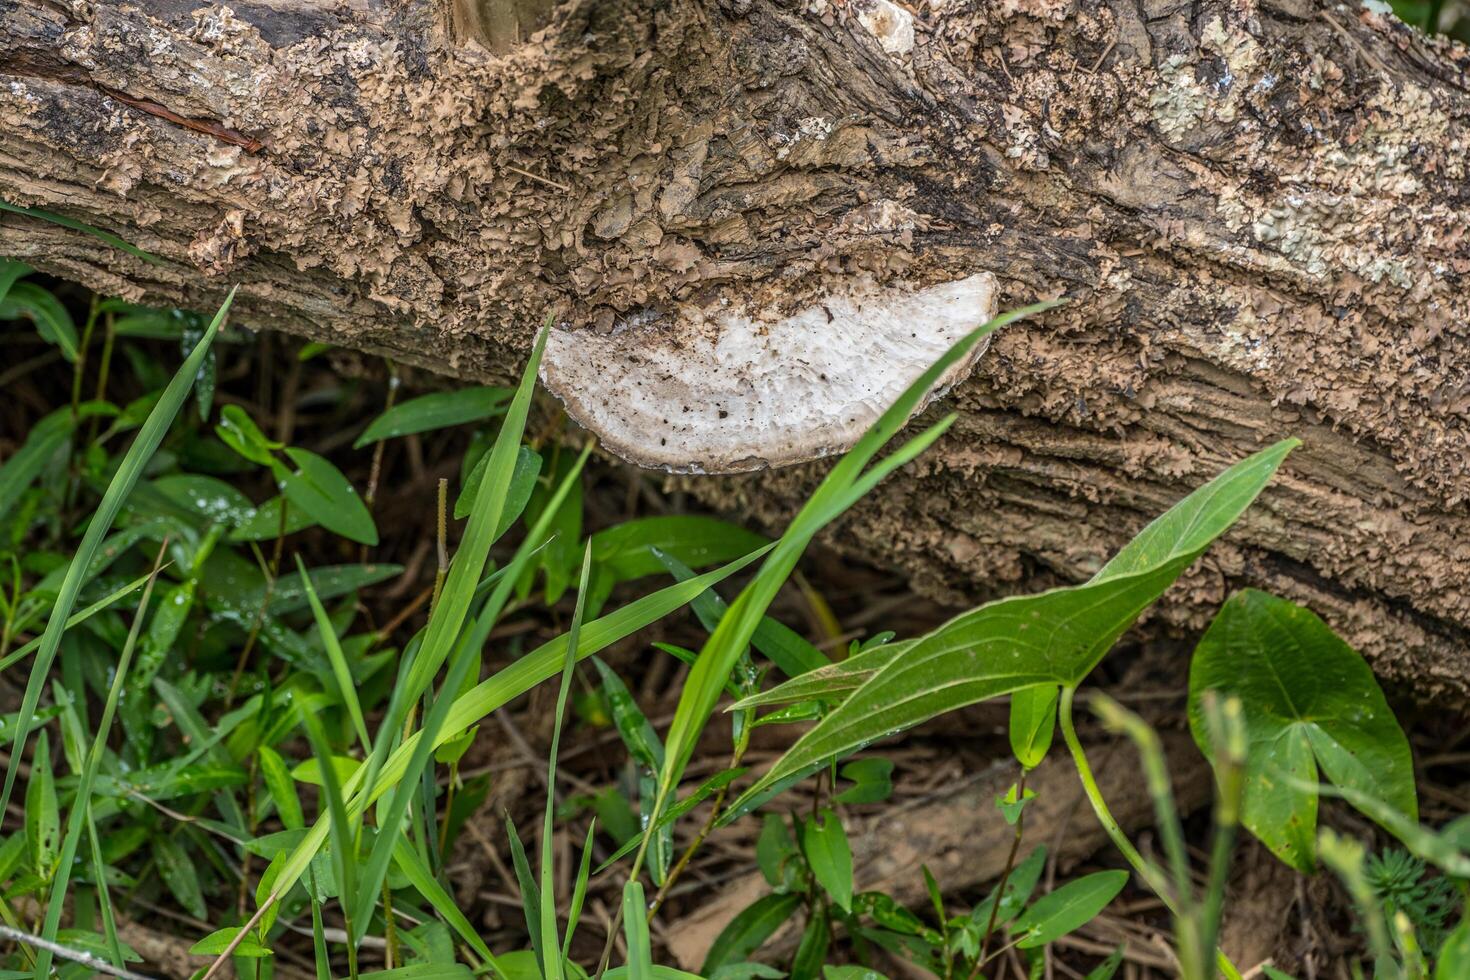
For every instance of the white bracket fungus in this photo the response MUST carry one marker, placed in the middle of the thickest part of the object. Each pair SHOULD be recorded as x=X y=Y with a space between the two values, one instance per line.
x=730 y=391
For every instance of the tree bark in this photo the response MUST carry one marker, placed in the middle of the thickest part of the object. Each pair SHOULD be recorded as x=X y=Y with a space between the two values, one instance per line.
x=1257 y=208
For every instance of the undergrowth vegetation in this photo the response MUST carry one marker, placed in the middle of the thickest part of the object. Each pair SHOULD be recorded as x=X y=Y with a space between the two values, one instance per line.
x=207 y=724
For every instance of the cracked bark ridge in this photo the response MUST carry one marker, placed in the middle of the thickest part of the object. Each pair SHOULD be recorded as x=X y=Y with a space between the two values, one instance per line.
x=1258 y=208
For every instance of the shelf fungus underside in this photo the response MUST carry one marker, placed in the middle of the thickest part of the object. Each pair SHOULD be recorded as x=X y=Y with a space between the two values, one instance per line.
x=734 y=390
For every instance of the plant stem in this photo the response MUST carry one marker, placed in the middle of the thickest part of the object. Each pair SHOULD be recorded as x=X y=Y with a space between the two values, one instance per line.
x=1115 y=832
x=80 y=368
x=1000 y=889
x=443 y=547
x=683 y=862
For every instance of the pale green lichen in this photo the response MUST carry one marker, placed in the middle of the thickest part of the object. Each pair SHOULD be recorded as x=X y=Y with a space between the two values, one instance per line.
x=1179 y=101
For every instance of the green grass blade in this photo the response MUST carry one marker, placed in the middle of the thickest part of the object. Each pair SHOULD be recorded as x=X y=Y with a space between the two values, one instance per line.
x=80 y=814
x=150 y=435
x=422 y=879
x=319 y=943
x=469 y=560
x=346 y=686
x=635 y=930
x=441 y=638
x=104 y=895
x=549 y=939
x=579 y=891
x=428 y=738
x=20 y=653
x=510 y=683
x=530 y=891
x=344 y=840
x=75 y=225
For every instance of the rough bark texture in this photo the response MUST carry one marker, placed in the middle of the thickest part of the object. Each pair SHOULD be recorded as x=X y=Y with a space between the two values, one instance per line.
x=1258 y=208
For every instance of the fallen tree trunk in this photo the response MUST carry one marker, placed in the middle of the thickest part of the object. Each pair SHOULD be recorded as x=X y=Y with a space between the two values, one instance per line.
x=1257 y=208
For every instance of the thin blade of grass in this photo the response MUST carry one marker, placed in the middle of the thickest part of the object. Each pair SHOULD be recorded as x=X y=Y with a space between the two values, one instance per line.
x=76 y=619
x=552 y=968
x=579 y=890
x=343 y=674
x=344 y=840
x=435 y=719
x=75 y=225
x=635 y=930
x=530 y=891
x=81 y=809
x=422 y=879
x=504 y=687
x=150 y=435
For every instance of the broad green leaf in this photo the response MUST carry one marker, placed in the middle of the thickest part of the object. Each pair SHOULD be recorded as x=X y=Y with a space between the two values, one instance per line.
x=42 y=816
x=635 y=931
x=435 y=411
x=748 y=930
x=238 y=430
x=281 y=787
x=52 y=320
x=327 y=581
x=265 y=523
x=1019 y=886
x=218 y=941
x=1056 y=637
x=1069 y=907
x=522 y=484
x=1308 y=700
x=775 y=852
x=1108 y=967
x=123 y=481
x=180 y=875
x=633 y=727
x=1033 y=720
x=10 y=271
x=872 y=781
x=811 y=951
x=851 y=973
x=319 y=488
x=310 y=771
x=207 y=497
x=42 y=444
x=889 y=914
x=626 y=550
x=829 y=855
x=1453 y=962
